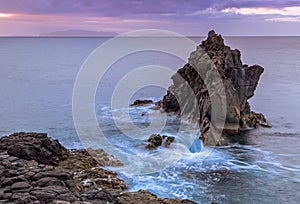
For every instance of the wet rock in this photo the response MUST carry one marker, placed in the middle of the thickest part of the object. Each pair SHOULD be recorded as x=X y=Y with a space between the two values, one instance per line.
x=30 y=181
x=239 y=82
x=157 y=106
x=141 y=102
x=167 y=140
x=156 y=140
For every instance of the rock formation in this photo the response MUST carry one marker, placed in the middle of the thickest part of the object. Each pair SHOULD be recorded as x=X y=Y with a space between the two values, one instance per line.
x=74 y=176
x=35 y=146
x=156 y=140
x=141 y=102
x=239 y=82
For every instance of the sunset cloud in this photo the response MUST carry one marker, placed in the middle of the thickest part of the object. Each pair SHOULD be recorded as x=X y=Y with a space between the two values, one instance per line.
x=190 y=17
x=284 y=19
x=6 y=15
x=286 y=11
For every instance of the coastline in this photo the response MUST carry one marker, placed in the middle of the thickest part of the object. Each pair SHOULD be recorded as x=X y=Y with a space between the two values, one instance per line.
x=34 y=168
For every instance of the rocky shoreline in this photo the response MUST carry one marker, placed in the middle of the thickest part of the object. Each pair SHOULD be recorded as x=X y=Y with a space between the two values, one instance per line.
x=35 y=168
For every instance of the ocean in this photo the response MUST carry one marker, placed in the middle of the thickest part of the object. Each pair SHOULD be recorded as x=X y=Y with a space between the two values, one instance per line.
x=261 y=166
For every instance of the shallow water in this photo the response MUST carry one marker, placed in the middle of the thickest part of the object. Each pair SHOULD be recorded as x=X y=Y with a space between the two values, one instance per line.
x=261 y=166
x=256 y=167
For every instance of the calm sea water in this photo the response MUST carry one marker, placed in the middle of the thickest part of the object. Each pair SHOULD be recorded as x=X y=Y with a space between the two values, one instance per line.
x=263 y=166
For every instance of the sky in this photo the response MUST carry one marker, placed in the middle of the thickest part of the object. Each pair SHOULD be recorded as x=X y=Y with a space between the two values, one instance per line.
x=187 y=17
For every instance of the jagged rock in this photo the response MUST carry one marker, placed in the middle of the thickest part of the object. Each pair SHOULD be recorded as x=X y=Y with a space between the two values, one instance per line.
x=141 y=102
x=31 y=181
x=239 y=82
x=33 y=146
x=167 y=140
x=156 y=140
x=253 y=119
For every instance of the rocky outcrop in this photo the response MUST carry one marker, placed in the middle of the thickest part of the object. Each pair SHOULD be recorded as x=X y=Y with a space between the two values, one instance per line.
x=141 y=102
x=34 y=146
x=156 y=140
x=75 y=176
x=238 y=81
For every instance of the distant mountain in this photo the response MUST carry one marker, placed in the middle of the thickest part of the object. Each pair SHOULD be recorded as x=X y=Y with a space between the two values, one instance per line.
x=79 y=33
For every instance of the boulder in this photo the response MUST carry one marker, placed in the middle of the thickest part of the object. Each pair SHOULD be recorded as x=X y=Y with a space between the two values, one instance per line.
x=156 y=140
x=21 y=187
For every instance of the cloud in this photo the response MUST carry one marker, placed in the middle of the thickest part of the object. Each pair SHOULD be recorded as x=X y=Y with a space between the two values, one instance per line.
x=287 y=11
x=286 y=14
x=284 y=19
x=190 y=16
x=132 y=7
x=6 y=15
x=88 y=7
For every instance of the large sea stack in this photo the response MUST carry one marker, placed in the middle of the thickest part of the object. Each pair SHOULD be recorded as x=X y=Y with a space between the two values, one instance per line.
x=238 y=81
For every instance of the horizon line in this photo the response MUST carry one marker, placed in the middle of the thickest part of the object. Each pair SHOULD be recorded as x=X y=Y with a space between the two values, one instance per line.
x=111 y=36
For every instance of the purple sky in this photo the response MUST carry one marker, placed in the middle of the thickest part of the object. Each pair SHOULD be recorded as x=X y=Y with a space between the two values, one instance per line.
x=189 y=17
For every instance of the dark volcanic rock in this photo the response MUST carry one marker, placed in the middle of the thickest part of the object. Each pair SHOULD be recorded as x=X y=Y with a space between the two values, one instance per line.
x=33 y=146
x=156 y=140
x=21 y=187
x=141 y=102
x=76 y=178
x=167 y=140
x=239 y=82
